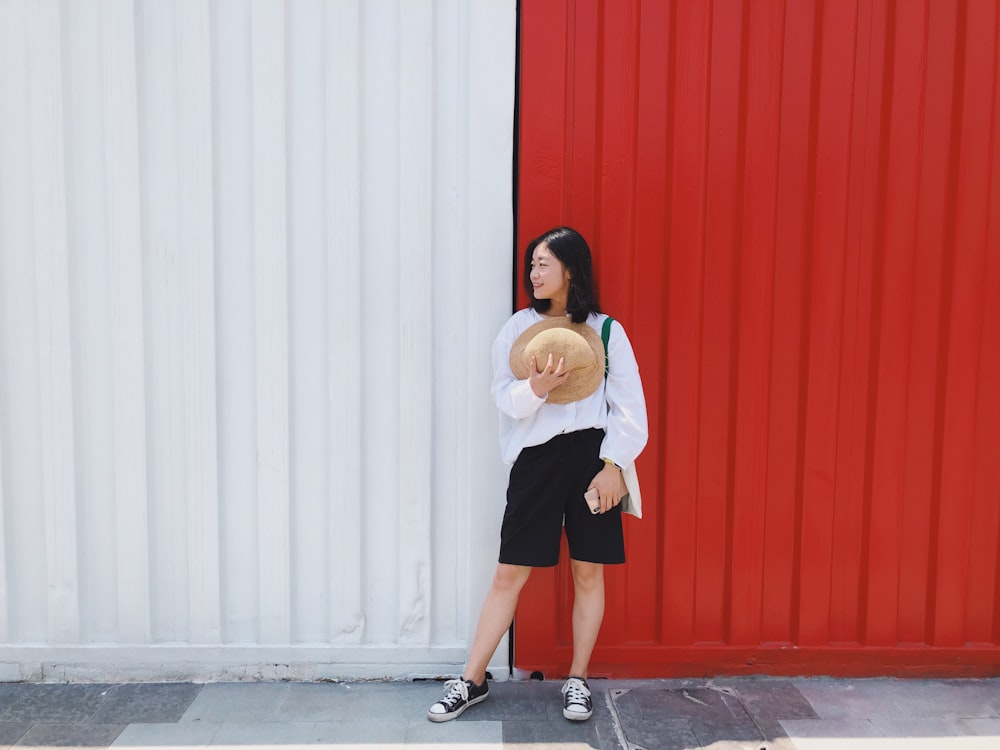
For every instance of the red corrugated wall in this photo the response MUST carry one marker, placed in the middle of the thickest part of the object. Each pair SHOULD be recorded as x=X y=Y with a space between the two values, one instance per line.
x=795 y=212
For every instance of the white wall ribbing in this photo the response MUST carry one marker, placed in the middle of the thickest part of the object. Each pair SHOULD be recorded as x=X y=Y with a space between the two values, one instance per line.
x=252 y=257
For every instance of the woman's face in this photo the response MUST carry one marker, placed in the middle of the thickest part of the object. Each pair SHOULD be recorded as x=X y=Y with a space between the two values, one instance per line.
x=549 y=277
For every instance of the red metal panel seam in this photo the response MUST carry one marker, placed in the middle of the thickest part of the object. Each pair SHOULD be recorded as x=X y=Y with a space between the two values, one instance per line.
x=635 y=309
x=768 y=580
x=924 y=471
x=991 y=447
x=902 y=99
x=791 y=184
x=966 y=319
x=944 y=331
x=598 y=165
x=569 y=106
x=806 y=311
x=660 y=424
x=734 y=323
x=913 y=592
x=877 y=309
x=680 y=423
x=862 y=253
x=985 y=543
x=700 y=460
x=782 y=504
x=620 y=124
x=718 y=285
x=755 y=341
x=824 y=444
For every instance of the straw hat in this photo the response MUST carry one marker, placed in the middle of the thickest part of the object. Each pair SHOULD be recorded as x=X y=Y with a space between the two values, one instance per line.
x=579 y=345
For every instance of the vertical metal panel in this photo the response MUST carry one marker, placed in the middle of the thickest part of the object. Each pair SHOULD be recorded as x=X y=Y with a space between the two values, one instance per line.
x=793 y=208
x=247 y=264
x=345 y=312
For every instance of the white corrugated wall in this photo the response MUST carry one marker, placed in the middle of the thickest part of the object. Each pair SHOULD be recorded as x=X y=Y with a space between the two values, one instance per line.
x=252 y=258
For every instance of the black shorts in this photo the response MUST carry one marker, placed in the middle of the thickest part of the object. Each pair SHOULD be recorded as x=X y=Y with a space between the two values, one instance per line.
x=547 y=483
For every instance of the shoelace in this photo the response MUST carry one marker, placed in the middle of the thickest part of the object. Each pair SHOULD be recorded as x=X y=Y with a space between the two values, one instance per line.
x=457 y=690
x=576 y=692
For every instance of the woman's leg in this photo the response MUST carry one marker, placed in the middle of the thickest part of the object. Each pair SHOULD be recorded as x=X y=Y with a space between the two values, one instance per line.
x=588 y=613
x=495 y=617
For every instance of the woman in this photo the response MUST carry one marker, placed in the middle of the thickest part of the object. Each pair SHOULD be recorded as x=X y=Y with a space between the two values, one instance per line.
x=566 y=431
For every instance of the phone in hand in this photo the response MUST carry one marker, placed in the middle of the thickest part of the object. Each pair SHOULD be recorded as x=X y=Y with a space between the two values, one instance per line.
x=593 y=500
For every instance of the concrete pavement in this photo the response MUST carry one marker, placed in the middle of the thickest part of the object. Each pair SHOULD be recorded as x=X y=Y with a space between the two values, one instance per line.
x=722 y=714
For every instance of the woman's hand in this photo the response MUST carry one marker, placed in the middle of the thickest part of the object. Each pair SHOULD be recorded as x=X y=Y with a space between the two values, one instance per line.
x=543 y=382
x=608 y=483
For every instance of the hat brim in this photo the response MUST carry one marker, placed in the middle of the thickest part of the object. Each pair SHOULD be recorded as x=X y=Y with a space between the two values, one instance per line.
x=582 y=381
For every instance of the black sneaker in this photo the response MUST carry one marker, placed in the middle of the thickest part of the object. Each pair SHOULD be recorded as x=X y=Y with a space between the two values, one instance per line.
x=458 y=696
x=577 y=705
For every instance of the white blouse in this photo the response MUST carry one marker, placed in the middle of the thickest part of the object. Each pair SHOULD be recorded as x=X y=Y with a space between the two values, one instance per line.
x=617 y=406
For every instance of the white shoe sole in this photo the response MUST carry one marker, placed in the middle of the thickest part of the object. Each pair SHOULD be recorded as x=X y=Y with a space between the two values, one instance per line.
x=577 y=715
x=455 y=714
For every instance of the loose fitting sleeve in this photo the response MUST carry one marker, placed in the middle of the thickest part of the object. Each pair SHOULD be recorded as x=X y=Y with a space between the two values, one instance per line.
x=627 y=430
x=513 y=397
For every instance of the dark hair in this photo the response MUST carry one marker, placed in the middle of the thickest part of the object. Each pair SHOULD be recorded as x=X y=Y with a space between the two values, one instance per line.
x=572 y=250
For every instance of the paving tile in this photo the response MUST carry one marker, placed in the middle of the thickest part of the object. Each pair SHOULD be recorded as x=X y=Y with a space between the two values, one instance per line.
x=275 y=735
x=700 y=704
x=774 y=734
x=346 y=701
x=944 y=698
x=734 y=733
x=11 y=731
x=556 y=745
x=359 y=731
x=146 y=703
x=983 y=727
x=237 y=701
x=937 y=743
x=911 y=727
x=799 y=729
x=581 y=733
x=62 y=704
x=663 y=734
x=711 y=715
x=894 y=743
x=952 y=698
x=901 y=698
x=485 y=735
x=70 y=735
x=8 y=692
x=519 y=701
x=779 y=700
x=851 y=699
x=188 y=736
x=321 y=701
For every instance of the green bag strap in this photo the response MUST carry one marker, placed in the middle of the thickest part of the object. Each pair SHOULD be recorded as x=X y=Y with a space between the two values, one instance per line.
x=606 y=337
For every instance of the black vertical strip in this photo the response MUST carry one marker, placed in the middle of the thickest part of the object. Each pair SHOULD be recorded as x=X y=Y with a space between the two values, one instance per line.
x=515 y=183
x=515 y=197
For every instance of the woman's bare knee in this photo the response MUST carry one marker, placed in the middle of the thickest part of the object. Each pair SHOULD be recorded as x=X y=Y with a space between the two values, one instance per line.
x=587 y=575
x=510 y=577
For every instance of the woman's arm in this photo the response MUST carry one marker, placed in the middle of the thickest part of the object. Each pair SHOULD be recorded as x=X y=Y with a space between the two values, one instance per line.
x=513 y=397
x=628 y=430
